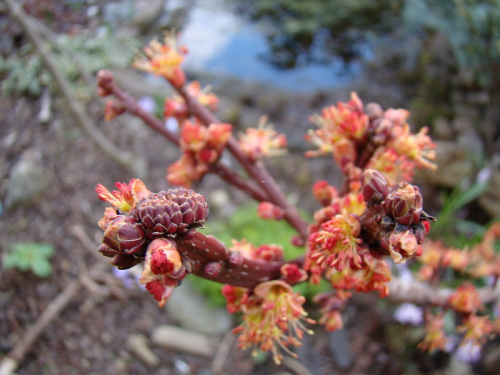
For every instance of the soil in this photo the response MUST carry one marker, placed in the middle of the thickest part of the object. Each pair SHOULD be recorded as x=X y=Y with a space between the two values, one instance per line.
x=89 y=336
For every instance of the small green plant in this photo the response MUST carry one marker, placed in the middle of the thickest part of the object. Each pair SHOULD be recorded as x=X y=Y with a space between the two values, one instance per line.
x=449 y=226
x=32 y=256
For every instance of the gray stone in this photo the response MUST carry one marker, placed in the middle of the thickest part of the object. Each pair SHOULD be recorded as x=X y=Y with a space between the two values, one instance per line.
x=453 y=164
x=190 y=309
x=339 y=345
x=442 y=129
x=28 y=180
x=183 y=340
x=457 y=367
x=490 y=201
x=137 y=344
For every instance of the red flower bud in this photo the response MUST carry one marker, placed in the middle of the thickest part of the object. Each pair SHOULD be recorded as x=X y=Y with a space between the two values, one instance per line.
x=124 y=234
x=292 y=274
x=107 y=251
x=162 y=258
x=324 y=192
x=104 y=80
x=267 y=210
x=125 y=261
x=374 y=187
x=404 y=203
x=269 y=253
x=402 y=245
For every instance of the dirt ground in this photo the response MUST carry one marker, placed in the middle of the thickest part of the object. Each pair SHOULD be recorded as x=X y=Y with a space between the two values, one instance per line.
x=89 y=336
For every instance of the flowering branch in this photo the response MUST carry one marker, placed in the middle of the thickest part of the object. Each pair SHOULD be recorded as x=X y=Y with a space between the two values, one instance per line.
x=108 y=86
x=376 y=215
x=256 y=170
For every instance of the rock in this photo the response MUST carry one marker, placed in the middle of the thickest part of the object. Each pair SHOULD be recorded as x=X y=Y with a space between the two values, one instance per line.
x=183 y=340
x=28 y=180
x=146 y=13
x=191 y=310
x=309 y=358
x=338 y=343
x=137 y=344
x=490 y=201
x=457 y=367
x=453 y=164
x=442 y=129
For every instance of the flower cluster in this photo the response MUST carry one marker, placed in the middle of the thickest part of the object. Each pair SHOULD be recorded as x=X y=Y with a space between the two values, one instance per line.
x=140 y=226
x=163 y=59
x=201 y=147
x=353 y=232
x=394 y=221
x=267 y=253
x=340 y=128
x=473 y=329
x=371 y=138
x=479 y=262
x=374 y=218
x=262 y=141
x=273 y=317
x=177 y=107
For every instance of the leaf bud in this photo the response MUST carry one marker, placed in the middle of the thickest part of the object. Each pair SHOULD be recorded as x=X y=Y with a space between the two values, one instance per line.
x=374 y=186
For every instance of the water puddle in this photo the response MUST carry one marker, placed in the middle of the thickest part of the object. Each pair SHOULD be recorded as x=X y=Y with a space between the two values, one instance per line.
x=220 y=42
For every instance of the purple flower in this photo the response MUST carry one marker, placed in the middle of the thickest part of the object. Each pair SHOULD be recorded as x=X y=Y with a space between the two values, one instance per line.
x=469 y=352
x=408 y=313
x=128 y=277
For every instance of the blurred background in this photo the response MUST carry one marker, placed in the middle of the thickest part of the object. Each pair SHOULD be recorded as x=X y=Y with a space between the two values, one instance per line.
x=286 y=59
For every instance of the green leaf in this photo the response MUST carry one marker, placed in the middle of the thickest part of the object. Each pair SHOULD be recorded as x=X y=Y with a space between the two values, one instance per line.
x=30 y=256
x=41 y=267
x=46 y=249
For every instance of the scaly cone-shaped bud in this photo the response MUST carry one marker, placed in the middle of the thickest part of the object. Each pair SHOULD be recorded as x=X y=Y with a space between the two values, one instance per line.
x=124 y=234
x=171 y=212
x=374 y=186
x=404 y=203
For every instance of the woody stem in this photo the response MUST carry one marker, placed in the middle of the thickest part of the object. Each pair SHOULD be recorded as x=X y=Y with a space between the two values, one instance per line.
x=256 y=170
x=198 y=250
x=157 y=125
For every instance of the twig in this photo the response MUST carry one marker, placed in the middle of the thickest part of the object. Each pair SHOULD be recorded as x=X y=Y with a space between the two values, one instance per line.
x=198 y=250
x=78 y=231
x=52 y=38
x=295 y=366
x=256 y=170
x=16 y=355
x=126 y=160
x=226 y=173
x=420 y=293
x=222 y=353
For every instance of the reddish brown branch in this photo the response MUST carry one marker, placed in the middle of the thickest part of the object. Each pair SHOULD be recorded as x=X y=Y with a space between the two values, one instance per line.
x=199 y=250
x=133 y=107
x=255 y=169
x=158 y=126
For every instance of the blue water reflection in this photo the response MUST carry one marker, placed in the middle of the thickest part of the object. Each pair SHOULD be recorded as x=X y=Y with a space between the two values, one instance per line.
x=222 y=43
